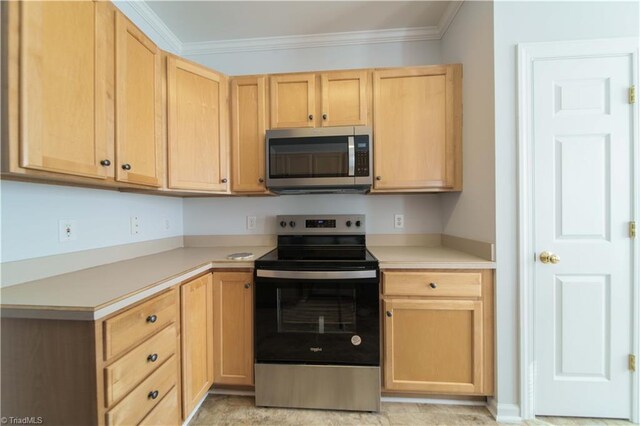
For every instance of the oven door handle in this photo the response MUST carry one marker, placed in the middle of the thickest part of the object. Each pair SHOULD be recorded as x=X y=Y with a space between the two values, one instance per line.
x=316 y=275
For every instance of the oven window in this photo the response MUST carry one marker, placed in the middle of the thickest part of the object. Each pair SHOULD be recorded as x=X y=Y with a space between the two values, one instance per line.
x=308 y=157
x=316 y=310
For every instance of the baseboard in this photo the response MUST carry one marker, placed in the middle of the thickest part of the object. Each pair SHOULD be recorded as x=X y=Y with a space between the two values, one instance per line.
x=231 y=392
x=195 y=410
x=443 y=401
x=504 y=413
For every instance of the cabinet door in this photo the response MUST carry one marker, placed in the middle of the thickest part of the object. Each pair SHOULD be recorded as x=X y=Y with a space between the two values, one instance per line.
x=293 y=101
x=197 y=340
x=433 y=345
x=344 y=98
x=63 y=94
x=417 y=125
x=248 y=125
x=233 y=328
x=138 y=106
x=197 y=127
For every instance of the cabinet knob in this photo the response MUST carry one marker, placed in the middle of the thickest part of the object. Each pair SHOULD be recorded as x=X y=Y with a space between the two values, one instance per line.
x=260 y=180
x=324 y=116
x=378 y=177
x=126 y=166
x=389 y=314
x=105 y=163
x=154 y=394
x=152 y=358
x=247 y=285
x=433 y=285
x=152 y=318
x=310 y=116
x=224 y=180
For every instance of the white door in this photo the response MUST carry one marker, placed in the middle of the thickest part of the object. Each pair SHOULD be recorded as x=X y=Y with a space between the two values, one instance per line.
x=582 y=205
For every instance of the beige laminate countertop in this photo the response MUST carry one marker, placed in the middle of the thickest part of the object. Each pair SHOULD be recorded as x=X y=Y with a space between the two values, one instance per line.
x=94 y=293
x=420 y=257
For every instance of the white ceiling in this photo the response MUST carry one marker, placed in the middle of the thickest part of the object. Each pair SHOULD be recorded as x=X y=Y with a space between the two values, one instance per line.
x=210 y=21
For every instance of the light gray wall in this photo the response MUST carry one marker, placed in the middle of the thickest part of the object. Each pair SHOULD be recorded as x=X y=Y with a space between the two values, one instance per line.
x=518 y=22
x=30 y=215
x=469 y=41
x=215 y=216
x=324 y=58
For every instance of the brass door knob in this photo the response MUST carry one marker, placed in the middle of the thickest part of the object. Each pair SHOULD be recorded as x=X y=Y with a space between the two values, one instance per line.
x=548 y=257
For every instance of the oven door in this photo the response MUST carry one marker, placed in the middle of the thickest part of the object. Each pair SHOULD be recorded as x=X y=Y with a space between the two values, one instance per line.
x=317 y=317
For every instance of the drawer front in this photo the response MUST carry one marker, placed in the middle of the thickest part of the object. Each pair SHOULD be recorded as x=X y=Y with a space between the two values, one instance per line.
x=135 y=406
x=167 y=412
x=128 y=371
x=450 y=284
x=130 y=327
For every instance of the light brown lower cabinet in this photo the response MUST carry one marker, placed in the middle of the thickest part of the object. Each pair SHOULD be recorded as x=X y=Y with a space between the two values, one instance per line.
x=196 y=299
x=123 y=369
x=233 y=328
x=438 y=332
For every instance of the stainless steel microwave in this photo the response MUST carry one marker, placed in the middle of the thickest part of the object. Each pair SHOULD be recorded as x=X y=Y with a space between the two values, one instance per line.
x=324 y=160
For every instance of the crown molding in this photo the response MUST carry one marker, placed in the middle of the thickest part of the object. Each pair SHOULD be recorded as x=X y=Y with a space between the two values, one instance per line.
x=448 y=16
x=142 y=9
x=395 y=35
x=311 y=40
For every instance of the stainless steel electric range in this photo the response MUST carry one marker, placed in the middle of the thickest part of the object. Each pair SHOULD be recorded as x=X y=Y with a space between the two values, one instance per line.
x=317 y=316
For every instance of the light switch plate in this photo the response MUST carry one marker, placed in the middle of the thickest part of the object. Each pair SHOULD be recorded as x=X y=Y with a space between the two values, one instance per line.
x=251 y=222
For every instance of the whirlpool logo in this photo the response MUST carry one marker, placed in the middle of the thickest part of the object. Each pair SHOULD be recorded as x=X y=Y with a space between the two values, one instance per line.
x=315 y=349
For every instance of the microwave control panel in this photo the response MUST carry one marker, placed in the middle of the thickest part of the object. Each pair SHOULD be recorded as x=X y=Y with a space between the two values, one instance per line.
x=362 y=155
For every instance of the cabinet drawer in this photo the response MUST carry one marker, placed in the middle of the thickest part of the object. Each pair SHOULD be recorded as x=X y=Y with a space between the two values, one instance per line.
x=124 y=374
x=130 y=327
x=167 y=412
x=451 y=284
x=135 y=406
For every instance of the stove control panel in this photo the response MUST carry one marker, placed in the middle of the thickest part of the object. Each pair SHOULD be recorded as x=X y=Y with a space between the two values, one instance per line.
x=321 y=224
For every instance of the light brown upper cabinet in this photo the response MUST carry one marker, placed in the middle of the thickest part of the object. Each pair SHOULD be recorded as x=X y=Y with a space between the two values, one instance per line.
x=64 y=78
x=293 y=100
x=344 y=98
x=197 y=127
x=197 y=340
x=339 y=100
x=248 y=124
x=138 y=106
x=417 y=127
x=233 y=328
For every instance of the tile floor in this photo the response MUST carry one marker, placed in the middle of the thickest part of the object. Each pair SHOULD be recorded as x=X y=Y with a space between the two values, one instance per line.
x=240 y=410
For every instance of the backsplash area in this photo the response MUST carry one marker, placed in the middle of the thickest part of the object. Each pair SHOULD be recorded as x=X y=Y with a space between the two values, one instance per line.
x=228 y=216
x=31 y=215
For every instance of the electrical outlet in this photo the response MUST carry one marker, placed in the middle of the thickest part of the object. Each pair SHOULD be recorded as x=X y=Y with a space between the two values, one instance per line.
x=251 y=222
x=398 y=221
x=135 y=225
x=167 y=224
x=67 y=230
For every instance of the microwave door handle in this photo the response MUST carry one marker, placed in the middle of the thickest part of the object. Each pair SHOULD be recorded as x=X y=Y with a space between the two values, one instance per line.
x=352 y=155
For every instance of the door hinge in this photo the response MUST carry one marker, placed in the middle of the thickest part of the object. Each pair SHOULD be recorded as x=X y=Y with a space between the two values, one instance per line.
x=632 y=229
x=632 y=94
x=632 y=362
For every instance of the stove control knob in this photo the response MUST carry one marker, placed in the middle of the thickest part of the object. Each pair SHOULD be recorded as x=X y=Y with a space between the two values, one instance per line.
x=358 y=223
x=348 y=224
x=283 y=224
x=292 y=224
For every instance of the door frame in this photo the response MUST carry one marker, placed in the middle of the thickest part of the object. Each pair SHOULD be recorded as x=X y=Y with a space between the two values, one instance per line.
x=528 y=53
